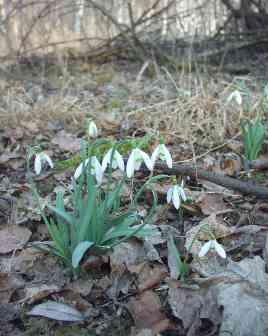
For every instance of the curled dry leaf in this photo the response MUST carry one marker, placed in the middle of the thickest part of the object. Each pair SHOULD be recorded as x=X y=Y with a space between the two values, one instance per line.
x=34 y=294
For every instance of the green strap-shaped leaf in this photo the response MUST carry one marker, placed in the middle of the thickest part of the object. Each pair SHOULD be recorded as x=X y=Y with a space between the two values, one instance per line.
x=63 y=214
x=79 y=252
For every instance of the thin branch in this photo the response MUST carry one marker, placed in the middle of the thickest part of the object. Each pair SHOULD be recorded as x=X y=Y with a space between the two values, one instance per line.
x=245 y=188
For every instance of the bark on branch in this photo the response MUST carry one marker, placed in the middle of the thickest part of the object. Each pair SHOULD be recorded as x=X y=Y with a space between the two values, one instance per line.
x=245 y=188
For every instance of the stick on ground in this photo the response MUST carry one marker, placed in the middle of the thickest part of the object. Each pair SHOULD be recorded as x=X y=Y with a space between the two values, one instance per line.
x=245 y=188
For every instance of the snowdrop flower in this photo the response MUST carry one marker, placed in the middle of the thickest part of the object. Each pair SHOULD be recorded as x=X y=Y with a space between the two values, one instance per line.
x=212 y=245
x=92 y=130
x=96 y=169
x=135 y=160
x=236 y=96
x=163 y=154
x=175 y=194
x=117 y=160
x=40 y=158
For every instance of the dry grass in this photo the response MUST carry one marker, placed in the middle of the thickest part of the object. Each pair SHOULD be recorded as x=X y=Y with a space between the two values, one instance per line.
x=192 y=108
x=200 y=114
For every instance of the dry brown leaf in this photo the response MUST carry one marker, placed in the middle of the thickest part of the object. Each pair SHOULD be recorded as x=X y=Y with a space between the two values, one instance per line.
x=231 y=164
x=26 y=259
x=67 y=142
x=211 y=203
x=147 y=312
x=33 y=294
x=193 y=308
x=149 y=276
x=74 y=299
x=13 y=237
x=12 y=159
x=127 y=254
x=9 y=283
x=80 y=286
x=8 y=312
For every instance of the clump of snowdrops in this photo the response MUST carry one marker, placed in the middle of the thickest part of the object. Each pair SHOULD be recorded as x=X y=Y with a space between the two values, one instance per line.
x=253 y=131
x=97 y=217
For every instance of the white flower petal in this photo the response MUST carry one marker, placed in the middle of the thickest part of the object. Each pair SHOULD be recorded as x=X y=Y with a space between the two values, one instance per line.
x=169 y=194
x=167 y=156
x=235 y=95
x=163 y=153
x=131 y=165
x=182 y=194
x=106 y=159
x=135 y=160
x=176 y=197
x=38 y=164
x=46 y=158
x=205 y=248
x=155 y=155
x=116 y=162
x=79 y=169
x=137 y=165
x=145 y=157
x=120 y=161
x=92 y=130
x=219 y=249
x=96 y=169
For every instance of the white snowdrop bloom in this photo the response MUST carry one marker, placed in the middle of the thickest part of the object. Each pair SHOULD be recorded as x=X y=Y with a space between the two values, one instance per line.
x=40 y=158
x=96 y=169
x=80 y=168
x=117 y=161
x=163 y=154
x=135 y=160
x=236 y=96
x=92 y=129
x=175 y=194
x=212 y=245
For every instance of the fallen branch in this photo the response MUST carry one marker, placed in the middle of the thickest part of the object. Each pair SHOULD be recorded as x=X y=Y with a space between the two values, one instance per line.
x=245 y=188
x=260 y=164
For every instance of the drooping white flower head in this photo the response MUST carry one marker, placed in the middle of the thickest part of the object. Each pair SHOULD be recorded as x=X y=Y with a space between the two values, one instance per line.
x=175 y=194
x=117 y=160
x=40 y=158
x=236 y=96
x=163 y=154
x=135 y=160
x=80 y=168
x=96 y=169
x=92 y=130
x=212 y=245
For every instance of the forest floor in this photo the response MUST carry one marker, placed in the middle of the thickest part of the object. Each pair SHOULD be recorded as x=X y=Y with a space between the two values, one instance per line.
x=135 y=289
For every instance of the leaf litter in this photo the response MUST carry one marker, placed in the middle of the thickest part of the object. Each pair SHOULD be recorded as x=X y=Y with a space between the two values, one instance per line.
x=137 y=285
